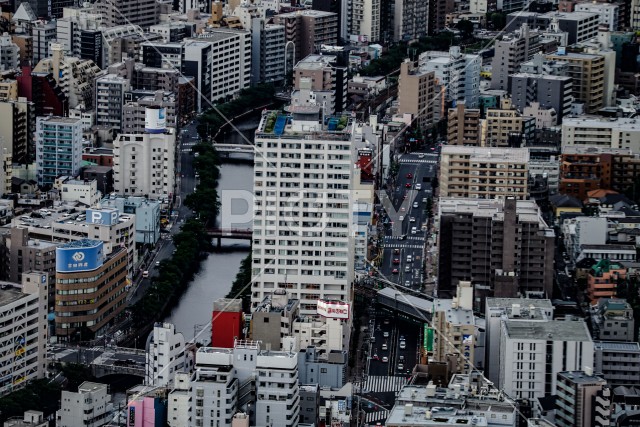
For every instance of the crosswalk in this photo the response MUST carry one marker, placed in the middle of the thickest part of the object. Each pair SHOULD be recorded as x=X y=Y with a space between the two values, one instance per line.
x=376 y=416
x=423 y=161
x=389 y=238
x=407 y=246
x=377 y=383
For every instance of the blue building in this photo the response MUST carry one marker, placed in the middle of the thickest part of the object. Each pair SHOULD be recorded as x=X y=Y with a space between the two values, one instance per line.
x=58 y=148
x=147 y=214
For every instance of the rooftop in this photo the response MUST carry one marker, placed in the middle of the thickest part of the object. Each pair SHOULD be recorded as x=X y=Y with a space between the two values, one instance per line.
x=308 y=12
x=623 y=124
x=407 y=415
x=621 y=346
x=508 y=302
x=527 y=210
x=573 y=16
x=554 y=330
x=10 y=293
x=282 y=125
x=488 y=154
x=580 y=377
x=455 y=316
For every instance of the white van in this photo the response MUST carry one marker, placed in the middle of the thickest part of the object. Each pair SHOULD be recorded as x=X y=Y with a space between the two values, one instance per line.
x=409 y=258
x=414 y=230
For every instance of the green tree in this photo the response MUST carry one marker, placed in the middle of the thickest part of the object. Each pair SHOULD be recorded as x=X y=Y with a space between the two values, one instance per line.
x=498 y=20
x=466 y=28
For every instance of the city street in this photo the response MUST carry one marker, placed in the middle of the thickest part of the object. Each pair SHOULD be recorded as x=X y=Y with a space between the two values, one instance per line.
x=403 y=254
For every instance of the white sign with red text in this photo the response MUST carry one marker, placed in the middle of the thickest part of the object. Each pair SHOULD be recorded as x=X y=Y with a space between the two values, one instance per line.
x=333 y=309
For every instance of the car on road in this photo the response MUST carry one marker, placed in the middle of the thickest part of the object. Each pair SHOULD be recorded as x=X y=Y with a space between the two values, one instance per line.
x=414 y=230
x=384 y=346
x=407 y=269
x=407 y=283
x=396 y=261
x=396 y=251
x=145 y=274
x=415 y=205
x=394 y=271
x=409 y=175
x=409 y=258
x=400 y=366
x=401 y=218
x=157 y=263
x=408 y=185
x=401 y=359
x=412 y=219
x=385 y=334
x=385 y=359
x=418 y=187
x=386 y=321
x=403 y=345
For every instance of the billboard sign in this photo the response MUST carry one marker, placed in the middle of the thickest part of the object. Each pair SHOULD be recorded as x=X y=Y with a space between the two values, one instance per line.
x=84 y=255
x=333 y=309
x=427 y=338
x=155 y=120
x=103 y=216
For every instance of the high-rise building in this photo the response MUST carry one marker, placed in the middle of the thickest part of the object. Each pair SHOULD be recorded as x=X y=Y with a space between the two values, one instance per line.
x=533 y=352
x=409 y=19
x=587 y=72
x=506 y=127
x=137 y=102
x=165 y=351
x=267 y=52
x=506 y=251
x=17 y=125
x=510 y=53
x=43 y=33
x=437 y=13
x=302 y=212
x=458 y=73
x=365 y=20
x=309 y=30
x=75 y=76
x=144 y=13
x=90 y=288
x=198 y=63
x=223 y=378
x=231 y=70
x=608 y=13
x=548 y=91
x=110 y=91
x=582 y=399
x=143 y=164
x=23 y=345
x=80 y=32
x=416 y=92
x=58 y=148
x=484 y=172
x=463 y=126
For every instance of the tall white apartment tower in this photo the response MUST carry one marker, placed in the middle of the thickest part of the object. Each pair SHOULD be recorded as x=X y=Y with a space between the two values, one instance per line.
x=302 y=211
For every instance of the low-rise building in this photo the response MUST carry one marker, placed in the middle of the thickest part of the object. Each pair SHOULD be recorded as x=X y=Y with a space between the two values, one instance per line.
x=604 y=278
x=618 y=362
x=90 y=406
x=582 y=400
x=612 y=320
x=325 y=369
x=165 y=355
x=147 y=216
x=273 y=319
x=76 y=190
x=613 y=133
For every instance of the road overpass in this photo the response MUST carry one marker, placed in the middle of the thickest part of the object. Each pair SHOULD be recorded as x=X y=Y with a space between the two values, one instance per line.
x=230 y=233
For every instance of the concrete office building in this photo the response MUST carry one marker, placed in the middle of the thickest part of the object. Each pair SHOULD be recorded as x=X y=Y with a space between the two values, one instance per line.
x=582 y=400
x=510 y=53
x=159 y=54
x=616 y=133
x=608 y=13
x=23 y=345
x=509 y=252
x=308 y=30
x=548 y=91
x=18 y=125
x=170 y=31
x=532 y=353
x=43 y=35
x=9 y=53
x=324 y=334
x=91 y=406
x=580 y=26
x=147 y=216
x=198 y=62
x=144 y=13
x=8 y=90
x=416 y=92
x=231 y=70
x=223 y=376
x=267 y=52
x=108 y=225
x=137 y=102
x=587 y=72
x=143 y=164
x=484 y=172
x=463 y=126
x=314 y=262
x=498 y=310
x=90 y=288
x=458 y=73
x=612 y=320
x=365 y=19
x=618 y=362
x=77 y=190
x=165 y=351
x=324 y=369
x=80 y=32
x=58 y=148
x=272 y=319
x=110 y=90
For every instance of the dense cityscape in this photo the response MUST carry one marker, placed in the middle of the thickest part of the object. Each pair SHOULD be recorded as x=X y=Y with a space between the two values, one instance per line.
x=319 y=213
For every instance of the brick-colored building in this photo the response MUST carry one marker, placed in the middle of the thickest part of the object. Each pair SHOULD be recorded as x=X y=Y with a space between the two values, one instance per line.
x=602 y=281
